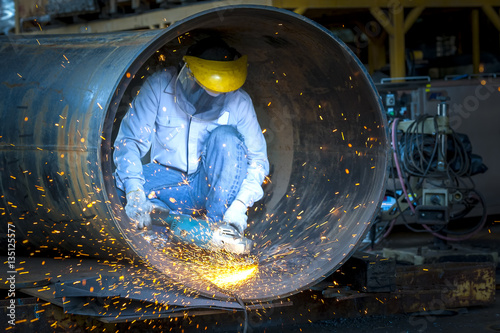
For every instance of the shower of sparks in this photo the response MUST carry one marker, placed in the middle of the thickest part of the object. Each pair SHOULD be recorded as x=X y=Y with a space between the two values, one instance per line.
x=229 y=276
x=225 y=270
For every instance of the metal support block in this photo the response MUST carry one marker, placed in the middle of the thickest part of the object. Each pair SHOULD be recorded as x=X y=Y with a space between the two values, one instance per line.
x=370 y=273
x=446 y=285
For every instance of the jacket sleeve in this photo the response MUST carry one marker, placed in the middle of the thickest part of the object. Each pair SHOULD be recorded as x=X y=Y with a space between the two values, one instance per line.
x=135 y=134
x=258 y=163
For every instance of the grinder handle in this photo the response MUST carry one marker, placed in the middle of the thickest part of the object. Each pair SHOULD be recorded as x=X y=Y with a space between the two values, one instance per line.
x=159 y=216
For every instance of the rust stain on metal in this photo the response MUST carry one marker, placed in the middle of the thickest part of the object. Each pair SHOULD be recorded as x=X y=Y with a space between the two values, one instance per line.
x=448 y=285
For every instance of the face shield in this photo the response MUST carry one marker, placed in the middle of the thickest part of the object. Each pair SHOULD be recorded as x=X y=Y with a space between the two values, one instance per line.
x=195 y=100
x=201 y=86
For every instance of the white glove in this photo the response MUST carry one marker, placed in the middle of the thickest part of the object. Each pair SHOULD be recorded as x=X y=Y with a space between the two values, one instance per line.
x=138 y=208
x=236 y=215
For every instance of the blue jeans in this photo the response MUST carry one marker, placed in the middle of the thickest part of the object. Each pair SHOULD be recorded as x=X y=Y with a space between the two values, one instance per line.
x=214 y=185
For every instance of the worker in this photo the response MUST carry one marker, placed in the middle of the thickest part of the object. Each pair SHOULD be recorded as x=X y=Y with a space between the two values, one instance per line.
x=208 y=155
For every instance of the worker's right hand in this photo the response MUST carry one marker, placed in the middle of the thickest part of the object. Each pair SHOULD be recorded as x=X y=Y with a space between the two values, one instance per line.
x=138 y=208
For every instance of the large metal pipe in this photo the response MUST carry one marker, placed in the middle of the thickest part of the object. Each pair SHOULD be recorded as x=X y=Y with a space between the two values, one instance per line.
x=63 y=98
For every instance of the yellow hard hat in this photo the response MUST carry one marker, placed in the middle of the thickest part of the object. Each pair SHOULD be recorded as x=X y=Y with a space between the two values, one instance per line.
x=218 y=76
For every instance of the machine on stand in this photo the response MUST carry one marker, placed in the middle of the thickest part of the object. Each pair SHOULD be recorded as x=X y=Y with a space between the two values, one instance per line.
x=430 y=187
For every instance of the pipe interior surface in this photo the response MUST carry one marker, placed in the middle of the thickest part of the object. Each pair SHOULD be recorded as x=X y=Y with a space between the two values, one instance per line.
x=320 y=113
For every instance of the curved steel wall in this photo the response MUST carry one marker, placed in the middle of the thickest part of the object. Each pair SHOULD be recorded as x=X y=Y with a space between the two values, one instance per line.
x=64 y=97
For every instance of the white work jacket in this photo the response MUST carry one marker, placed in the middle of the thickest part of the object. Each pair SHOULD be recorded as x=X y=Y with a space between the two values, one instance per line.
x=176 y=139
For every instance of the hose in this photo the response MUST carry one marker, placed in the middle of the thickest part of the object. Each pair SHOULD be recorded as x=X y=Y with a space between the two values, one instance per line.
x=396 y=161
x=411 y=167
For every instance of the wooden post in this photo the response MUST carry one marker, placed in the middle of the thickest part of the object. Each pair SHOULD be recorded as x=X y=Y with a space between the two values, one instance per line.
x=476 y=54
x=397 y=41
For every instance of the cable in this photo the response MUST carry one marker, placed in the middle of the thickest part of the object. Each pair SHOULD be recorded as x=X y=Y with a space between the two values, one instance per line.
x=441 y=227
x=479 y=226
x=240 y=302
x=396 y=161
x=245 y=325
x=415 y=163
x=391 y=225
x=400 y=176
x=416 y=158
x=419 y=152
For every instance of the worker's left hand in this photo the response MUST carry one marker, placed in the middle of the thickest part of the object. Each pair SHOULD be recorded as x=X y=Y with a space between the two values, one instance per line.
x=236 y=215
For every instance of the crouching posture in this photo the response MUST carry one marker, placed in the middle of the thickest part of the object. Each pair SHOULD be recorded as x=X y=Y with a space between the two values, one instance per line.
x=207 y=151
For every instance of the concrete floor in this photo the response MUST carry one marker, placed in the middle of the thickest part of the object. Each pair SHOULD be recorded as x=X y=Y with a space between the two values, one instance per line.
x=310 y=313
x=465 y=320
x=302 y=317
x=461 y=320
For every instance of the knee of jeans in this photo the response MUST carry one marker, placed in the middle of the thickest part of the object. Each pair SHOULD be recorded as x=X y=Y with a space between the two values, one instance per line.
x=225 y=134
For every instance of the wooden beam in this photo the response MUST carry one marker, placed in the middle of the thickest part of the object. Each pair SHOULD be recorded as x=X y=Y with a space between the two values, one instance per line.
x=383 y=19
x=300 y=10
x=412 y=17
x=492 y=15
x=395 y=26
x=476 y=53
x=376 y=45
x=397 y=42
